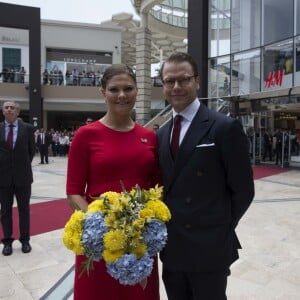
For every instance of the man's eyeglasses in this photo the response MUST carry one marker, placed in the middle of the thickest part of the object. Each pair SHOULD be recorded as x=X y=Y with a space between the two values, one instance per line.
x=183 y=82
x=11 y=107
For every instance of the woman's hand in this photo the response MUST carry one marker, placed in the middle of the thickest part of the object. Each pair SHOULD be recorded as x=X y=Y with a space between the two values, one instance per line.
x=77 y=202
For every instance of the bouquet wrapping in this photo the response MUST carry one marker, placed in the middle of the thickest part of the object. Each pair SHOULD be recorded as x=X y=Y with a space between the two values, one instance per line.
x=124 y=229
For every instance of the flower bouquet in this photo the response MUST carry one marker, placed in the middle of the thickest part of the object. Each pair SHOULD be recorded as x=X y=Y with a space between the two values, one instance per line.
x=125 y=229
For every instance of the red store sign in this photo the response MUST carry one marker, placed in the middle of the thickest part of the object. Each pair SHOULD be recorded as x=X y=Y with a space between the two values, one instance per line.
x=274 y=78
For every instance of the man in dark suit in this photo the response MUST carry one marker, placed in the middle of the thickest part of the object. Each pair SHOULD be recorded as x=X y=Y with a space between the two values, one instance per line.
x=268 y=145
x=43 y=142
x=208 y=186
x=17 y=150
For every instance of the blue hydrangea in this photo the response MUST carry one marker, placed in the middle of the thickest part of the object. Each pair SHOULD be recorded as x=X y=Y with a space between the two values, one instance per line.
x=92 y=237
x=129 y=270
x=155 y=236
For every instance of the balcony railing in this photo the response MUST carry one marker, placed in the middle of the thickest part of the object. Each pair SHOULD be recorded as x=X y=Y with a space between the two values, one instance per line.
x=56 y=79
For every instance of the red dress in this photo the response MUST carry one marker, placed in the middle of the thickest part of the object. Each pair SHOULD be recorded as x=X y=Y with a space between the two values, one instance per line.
x=99 y=158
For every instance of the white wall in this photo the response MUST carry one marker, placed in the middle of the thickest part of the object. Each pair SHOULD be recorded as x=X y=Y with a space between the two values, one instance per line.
x=79 y=36
x=15 y=38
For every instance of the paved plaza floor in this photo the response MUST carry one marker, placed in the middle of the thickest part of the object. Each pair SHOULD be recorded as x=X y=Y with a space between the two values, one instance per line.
x=268 y=268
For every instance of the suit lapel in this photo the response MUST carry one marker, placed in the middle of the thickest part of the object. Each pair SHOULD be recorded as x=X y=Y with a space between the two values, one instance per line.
x=165 y=144
x=2 y=132
x=20 y=132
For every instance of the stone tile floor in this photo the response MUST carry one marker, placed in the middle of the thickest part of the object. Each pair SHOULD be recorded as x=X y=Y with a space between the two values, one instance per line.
x=268 y=268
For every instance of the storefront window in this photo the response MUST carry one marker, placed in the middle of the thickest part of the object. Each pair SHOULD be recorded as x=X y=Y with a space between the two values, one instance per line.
x=278 y=66
x=219 y=77
x=245 y=77
x=278 y=21
x=245 y=25
x=70 y=67
x=219 y=27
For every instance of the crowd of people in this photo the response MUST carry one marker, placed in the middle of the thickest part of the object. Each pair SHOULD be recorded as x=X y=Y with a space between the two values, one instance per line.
x=56 y=76
x=277 y=146
x=52 y=143
x=74 y=77
x=12 y=75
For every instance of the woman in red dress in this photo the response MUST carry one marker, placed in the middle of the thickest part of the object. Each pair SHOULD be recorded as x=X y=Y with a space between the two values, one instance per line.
x=103 y=154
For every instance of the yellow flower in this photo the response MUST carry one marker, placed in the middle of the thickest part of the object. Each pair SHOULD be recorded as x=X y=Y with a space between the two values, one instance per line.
x=125 y=201
x=125 y=216
x=112 y=256
x=111 y=196
x=96 y=206
x=77 y=218
x=147 y=213
x=114 y=240
x=110 y=220
x=116 y=206
x=72 y=232
x=138 y=224
x=139 y=249
x=154 y=193
x=77 y=246
x=160 y=210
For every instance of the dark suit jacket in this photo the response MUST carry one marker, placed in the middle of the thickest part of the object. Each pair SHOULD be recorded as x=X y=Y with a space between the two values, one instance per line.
x=47 y=138
x=15 y=165
x=207 y=189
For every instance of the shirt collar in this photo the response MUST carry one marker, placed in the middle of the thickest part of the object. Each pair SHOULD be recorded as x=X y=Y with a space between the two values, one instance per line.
x=190 y=111
x=15 y=123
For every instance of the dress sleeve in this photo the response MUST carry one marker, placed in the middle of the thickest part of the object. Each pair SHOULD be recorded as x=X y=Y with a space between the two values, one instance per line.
x=78 y=164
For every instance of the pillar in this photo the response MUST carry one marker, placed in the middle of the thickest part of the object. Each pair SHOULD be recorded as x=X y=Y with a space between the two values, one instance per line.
x=143 y=75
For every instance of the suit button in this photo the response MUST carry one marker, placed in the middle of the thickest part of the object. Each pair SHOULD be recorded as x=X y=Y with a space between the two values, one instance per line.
x=187 y=226
x=199 y=173
x=188 y=200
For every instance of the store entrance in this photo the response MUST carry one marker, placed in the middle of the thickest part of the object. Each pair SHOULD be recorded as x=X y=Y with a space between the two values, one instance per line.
x=274 y=137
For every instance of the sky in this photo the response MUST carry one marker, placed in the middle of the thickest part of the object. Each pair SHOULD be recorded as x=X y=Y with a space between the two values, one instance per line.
x=83 y=11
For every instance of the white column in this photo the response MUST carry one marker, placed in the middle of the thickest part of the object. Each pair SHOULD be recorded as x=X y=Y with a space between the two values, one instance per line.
x=143 y=73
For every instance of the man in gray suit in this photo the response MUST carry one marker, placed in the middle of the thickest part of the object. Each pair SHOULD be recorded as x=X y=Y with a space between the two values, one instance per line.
x=17 y=149
x=208 y=186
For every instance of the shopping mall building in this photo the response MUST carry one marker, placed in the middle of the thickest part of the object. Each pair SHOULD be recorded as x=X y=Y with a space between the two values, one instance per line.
x=248 y=53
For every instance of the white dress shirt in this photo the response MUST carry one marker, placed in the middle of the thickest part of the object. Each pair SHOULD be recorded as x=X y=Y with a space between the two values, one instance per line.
x=15 y=131
x=188 y=115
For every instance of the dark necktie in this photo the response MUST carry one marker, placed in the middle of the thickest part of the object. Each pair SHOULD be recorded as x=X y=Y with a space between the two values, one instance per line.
x=10 y=137
x=175 y=136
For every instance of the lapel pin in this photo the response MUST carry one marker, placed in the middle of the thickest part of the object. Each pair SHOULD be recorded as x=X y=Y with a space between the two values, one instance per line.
x=144 y=140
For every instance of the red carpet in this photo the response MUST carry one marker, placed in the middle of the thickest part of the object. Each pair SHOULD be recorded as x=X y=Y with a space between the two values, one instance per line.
x=52 y=215
x=45 y=217
x=265 y=171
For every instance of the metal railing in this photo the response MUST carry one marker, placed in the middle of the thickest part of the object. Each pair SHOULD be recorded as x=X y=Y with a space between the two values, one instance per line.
x=60 y=79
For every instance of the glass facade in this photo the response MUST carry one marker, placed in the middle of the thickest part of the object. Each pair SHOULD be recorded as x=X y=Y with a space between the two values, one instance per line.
x=254 y=59
x=297 y=65
x=246 y=22
x=219 y=76
x=278 y=65
x=254 y=46
x=219 y=31
x=277 y=20
x=172 y=12
x=297 y=12
x=245 y=78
